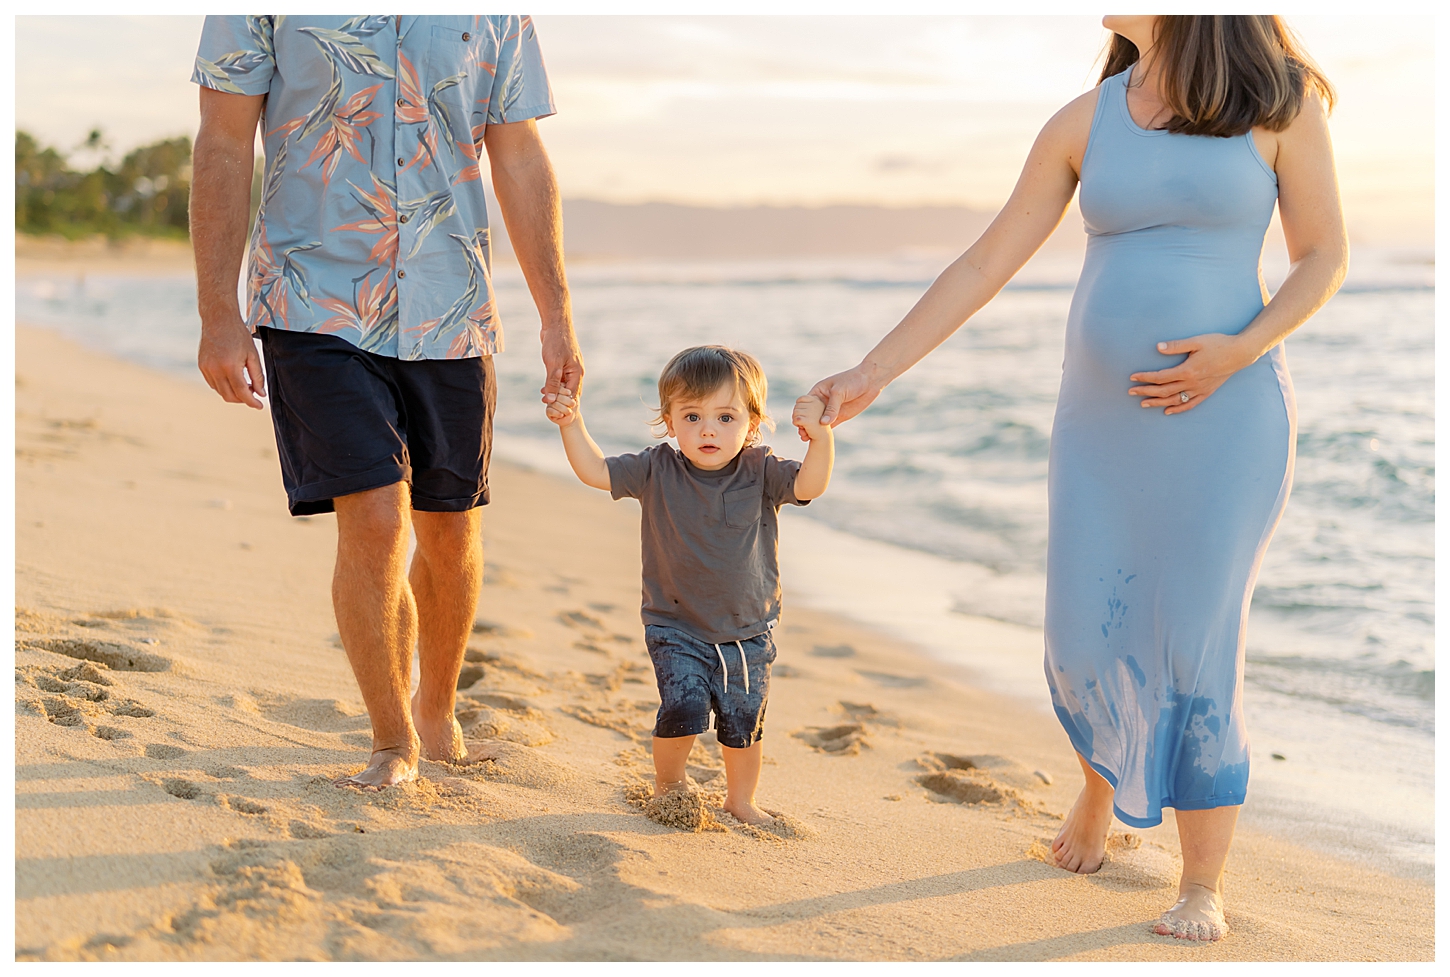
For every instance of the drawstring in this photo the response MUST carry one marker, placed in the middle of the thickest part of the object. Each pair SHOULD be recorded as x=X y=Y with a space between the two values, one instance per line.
x=726 y=668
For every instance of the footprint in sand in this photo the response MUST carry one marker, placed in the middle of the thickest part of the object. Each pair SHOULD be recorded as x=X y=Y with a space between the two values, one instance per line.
x=1000 y=768
x=492 y=715
x=843 y=740
x=865 y=712
x=184 y=789
x=696 y=809
x=114 y=655
x=893 y=681
x=495 y=630
x=318 y=715
x=160 y=751
x=242 y=805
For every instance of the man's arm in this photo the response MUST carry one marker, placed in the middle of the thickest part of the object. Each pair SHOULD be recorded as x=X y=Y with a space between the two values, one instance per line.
x=220 y=200
x=529 y=199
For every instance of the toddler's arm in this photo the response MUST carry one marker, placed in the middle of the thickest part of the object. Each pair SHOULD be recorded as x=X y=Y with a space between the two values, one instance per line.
x=584 y=455
x=815 y=473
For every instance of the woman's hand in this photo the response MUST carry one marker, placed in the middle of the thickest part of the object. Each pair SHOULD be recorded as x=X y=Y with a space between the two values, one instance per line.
x=845 y=395
x=1212 y=359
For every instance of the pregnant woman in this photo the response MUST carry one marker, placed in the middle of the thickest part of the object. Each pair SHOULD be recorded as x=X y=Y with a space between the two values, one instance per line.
x=1173 y=443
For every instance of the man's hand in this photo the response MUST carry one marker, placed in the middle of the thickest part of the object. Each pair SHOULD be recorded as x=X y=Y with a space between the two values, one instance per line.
x=807 y=417
x=220 y=192
x=563 y=362
x=229 y=361
x=564 y=410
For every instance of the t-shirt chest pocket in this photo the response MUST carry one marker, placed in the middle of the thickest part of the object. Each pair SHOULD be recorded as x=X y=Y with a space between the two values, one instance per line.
x=742 y=507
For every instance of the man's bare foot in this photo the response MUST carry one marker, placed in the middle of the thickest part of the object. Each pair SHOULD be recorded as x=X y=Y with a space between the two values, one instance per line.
x=747 y=813
x=1081 y=845
x=1197 y=915
x=442 y=738
x=395 y=765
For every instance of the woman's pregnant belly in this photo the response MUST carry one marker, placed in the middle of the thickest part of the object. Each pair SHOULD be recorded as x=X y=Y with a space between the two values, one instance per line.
x=1138 y=292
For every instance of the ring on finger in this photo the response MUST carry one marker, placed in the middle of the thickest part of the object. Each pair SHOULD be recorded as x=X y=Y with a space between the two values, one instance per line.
x=1184 y=397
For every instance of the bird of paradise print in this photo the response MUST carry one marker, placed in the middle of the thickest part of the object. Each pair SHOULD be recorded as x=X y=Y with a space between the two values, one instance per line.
x=373 y=311
x=382 y=207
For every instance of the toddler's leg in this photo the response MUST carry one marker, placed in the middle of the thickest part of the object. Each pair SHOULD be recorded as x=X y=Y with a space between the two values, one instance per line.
x=670 y=753
x=742 y=775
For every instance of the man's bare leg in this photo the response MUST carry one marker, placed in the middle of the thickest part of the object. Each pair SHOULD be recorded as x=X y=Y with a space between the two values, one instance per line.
x=742 y=775
x=1081 y=845
x=446 y=574
x=378 y=624
x=1205 y=837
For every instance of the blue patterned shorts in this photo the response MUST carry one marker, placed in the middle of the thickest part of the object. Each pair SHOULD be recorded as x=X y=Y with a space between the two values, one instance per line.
x=695 y=677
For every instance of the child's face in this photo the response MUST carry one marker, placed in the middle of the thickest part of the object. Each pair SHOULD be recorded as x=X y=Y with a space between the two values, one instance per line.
x=711 y=430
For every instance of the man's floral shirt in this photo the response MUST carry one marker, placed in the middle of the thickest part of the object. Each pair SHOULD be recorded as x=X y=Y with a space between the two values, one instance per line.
x=372 y=224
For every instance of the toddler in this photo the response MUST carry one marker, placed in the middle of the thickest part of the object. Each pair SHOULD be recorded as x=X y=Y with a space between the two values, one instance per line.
x=708 y=531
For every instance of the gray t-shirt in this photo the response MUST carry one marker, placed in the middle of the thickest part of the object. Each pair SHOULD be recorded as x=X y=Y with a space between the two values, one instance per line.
x=709 y=539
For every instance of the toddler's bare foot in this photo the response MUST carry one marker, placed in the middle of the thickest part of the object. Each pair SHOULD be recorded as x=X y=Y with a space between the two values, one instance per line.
x=1081 y=845
x=747 y=813
x=441 y=736
x=1197 y=915
x=395 y=765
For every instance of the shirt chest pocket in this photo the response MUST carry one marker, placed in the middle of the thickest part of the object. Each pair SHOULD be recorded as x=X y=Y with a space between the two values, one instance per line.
x=451 y=78
x=742 y=507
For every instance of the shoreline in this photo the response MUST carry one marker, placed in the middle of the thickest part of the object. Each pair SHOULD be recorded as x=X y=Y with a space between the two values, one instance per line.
x=185 y=815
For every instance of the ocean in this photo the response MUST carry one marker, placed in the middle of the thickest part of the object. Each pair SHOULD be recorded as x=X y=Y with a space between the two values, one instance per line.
x=937 y=511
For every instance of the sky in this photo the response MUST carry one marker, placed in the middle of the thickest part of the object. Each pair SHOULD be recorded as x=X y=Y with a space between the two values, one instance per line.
x=717 y=110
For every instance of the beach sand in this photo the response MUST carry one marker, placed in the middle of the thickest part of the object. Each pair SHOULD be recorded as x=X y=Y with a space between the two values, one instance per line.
x=182 y=705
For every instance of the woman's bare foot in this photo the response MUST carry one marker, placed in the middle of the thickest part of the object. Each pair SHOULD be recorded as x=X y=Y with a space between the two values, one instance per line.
x=746 y=812
x=395 y=765
x=1197 y=915
x=1081 y=845
x=441 y=737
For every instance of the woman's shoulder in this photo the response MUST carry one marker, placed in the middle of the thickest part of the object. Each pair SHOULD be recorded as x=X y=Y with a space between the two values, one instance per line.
x=1067 y=132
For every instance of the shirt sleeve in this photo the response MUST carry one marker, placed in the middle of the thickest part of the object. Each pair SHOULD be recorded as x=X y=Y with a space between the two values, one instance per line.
x=780 y=476
x=628 y=474
x=520 y=84
x=236 y=55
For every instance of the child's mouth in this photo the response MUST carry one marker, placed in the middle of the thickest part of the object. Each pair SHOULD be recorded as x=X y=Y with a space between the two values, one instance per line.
x=709 y=447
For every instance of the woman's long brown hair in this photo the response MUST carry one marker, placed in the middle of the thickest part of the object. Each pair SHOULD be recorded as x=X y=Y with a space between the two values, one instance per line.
x=1223 y=75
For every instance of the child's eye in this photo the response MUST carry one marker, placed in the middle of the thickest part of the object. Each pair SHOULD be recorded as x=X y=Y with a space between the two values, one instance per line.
x=692 y=418
x=726 y=418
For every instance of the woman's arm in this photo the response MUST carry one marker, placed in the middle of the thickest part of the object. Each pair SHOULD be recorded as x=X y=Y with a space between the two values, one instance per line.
x=1318 y=255
x=1029 y=217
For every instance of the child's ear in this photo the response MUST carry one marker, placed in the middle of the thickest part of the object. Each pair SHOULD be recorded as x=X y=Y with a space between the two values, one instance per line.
x=669 y=426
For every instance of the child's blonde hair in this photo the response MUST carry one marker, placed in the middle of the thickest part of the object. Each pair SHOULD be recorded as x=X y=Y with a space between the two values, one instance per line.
x=699 y=371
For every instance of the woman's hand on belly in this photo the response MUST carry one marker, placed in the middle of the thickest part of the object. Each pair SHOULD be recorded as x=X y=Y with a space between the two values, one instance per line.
x=1212 y=359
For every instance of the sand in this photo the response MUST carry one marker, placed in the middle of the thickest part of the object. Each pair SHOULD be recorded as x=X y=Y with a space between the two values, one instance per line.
x=182 y=705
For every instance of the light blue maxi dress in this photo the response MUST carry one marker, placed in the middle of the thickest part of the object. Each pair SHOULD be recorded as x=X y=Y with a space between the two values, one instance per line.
x=1158 y=524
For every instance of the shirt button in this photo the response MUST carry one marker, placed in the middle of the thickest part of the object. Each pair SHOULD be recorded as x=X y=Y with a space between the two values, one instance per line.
x=402 y=274
x=402 y=104
x=466 y=36
x=403 y=219
x=400 y=161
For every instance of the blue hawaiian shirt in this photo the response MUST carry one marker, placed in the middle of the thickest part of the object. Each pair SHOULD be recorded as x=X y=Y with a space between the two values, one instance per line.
x=373 y=225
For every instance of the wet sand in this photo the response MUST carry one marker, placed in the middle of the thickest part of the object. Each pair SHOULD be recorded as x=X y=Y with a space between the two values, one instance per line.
x=182 y=705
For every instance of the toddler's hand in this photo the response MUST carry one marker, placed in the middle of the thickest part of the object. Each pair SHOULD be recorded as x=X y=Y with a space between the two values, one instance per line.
x=807 y=416
x=563 y=410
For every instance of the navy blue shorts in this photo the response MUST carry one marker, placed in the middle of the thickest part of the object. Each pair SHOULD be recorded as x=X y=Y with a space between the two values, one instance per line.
x=696 y=677
x=348 y=421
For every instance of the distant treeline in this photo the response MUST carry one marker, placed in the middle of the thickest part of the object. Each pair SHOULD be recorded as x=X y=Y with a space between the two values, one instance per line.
x=146 y=194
